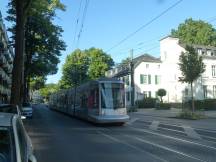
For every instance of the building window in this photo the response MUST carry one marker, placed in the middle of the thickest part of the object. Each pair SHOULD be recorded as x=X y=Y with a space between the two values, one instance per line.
x=145 y=94
x=186 y=92
x=213 y=71
x=165 y=55
x=149 y=79
x=128 y=96
x=147 y=66
x=214 y=91
x=208 y=52
x=157 y=79
x=143 y=79
x=149 y=94
x=199 y=51
x=126 y=80
x=205 y=91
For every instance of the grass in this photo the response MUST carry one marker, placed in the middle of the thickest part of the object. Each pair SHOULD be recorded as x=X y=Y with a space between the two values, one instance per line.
x=187 y=114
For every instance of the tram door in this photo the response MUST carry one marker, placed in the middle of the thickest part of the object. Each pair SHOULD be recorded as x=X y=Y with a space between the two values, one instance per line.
x=112 y=98
x=93 y=100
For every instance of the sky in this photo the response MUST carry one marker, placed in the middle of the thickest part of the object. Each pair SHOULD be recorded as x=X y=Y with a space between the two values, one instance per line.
x=107 y=22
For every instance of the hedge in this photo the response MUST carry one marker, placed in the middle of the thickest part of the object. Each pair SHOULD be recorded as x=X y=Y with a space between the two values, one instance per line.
x=147 y=103
x=207 y=104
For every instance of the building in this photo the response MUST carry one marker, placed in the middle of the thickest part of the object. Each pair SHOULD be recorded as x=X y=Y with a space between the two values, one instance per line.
x=6 y=64
x=147 y=77
x=204 y=87
x=151 y=74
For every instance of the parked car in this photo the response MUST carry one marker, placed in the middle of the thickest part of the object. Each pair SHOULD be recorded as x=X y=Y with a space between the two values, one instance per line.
x=10 y=108
x=27 y=110
x=15 y=144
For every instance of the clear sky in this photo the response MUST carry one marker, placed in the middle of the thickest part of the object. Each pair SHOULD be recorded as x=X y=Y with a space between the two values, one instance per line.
x=109 y=21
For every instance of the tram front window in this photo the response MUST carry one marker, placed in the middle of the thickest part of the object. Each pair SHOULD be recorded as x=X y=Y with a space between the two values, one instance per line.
x=112 y=95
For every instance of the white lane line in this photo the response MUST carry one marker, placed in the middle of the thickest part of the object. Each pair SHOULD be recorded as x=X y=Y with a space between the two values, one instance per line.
x=131 y=146
x=190 y=132
x=174 y=138
x=165 y=148
x=154 y=125
x=130 y=122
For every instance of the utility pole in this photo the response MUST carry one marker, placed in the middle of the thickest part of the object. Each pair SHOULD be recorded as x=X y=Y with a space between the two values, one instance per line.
x=132 y=79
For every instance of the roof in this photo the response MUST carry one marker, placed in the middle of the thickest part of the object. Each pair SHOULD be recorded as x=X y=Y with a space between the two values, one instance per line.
x=5 y=119
x=125 y=70
x=145 y=58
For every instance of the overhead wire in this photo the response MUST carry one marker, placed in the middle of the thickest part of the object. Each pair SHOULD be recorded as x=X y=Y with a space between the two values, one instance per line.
x=145 y=25
x=77 y=22
x=82 y=22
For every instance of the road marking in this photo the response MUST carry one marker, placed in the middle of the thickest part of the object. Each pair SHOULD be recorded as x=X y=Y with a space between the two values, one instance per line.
x=190 y=132
x=154 y=125
x=130 y=122
x=165 y=148
x=131 y=146
x=174 y=138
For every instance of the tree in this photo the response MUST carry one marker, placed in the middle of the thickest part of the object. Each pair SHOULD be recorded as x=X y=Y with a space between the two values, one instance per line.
x=37 y=82
x=80 y=66
x=195 y=32
x=75 y=69
x=42 y=45
x=191 y=66
x=99 y=63
x=47 y=90
x=161 y=92
x=21 y=10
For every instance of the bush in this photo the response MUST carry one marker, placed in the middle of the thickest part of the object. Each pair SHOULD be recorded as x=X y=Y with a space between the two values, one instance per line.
x=191 y=115
x=164 y=106
x=147 y=103
x=207 y=104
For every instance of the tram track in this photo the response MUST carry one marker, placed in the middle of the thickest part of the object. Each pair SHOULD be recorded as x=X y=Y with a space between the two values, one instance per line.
x=174 y=145
x=160 y=151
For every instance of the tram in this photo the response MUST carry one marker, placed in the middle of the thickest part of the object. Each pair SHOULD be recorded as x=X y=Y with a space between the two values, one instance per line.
x=98 y=101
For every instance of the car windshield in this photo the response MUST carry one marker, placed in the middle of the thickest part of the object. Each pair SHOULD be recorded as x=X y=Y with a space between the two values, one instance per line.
x=112 y=95
x=26 y=104
x=8 y=109
x=5 y=145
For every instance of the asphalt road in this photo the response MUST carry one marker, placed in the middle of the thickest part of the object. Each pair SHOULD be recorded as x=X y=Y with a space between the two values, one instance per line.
x=60 y=138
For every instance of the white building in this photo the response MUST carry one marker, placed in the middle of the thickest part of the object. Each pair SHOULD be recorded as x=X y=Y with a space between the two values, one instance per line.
x=147 y=77
x=204 y=87
x=152 y=73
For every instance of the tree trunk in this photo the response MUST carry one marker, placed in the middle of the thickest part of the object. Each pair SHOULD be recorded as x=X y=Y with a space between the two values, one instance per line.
x=192 y=98
x=17 y=72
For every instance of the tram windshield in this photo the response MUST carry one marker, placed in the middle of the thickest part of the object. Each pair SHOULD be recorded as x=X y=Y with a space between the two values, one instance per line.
x=112 y=95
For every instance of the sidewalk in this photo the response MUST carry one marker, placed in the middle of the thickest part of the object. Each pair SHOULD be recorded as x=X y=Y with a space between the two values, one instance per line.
x=167 y=116
x=173 y=112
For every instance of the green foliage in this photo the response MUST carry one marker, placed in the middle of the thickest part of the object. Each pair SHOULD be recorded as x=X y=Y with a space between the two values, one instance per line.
x=125 y=62
x=147 y=103
x=37 y=83
x=207 y=104
x=191 y=65
x=48 y=89
x=75 y=69
x=42 y=38
x=164 y=106
x=161 y=92
x=80 y=66
x=99 y=63
x=195 y=32
x=190 y=115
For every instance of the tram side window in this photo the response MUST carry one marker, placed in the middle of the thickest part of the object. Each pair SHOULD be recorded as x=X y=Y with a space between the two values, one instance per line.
x=93 y=99
x=83 y=100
